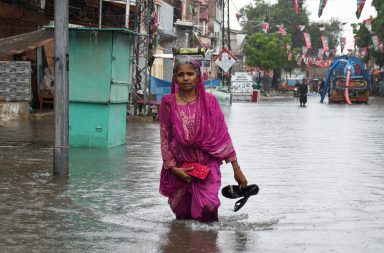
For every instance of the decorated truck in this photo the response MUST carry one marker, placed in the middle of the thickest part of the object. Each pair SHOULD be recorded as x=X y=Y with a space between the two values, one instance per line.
x=347 y=81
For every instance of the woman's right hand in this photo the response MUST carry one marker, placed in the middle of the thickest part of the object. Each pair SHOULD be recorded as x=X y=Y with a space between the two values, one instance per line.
x=182 y=173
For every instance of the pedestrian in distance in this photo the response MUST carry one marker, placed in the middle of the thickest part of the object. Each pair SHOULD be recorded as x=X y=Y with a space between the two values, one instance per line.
x=296 y=90
x=193 y=131
x=303 y=92
x=321 y=86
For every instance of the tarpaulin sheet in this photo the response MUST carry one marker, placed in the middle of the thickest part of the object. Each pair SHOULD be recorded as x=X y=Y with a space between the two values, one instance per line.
x=25 y=42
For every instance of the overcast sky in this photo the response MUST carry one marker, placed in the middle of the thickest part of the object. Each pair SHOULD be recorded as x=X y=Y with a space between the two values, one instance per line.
x=344 y=10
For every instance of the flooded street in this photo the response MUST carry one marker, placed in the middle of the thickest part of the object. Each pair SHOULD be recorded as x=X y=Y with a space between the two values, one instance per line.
x=320 y=170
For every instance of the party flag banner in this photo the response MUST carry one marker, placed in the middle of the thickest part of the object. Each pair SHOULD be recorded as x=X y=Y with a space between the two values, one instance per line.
x=333 y=52
x=289 y=51
x=375 y=41
x=290 y=55
x=321 y=7
x=265 y=27
x=238 y=16
x=360 y=6
x=240 y=38
x=320 y=53
x=304 y=51
x=368 y=24
x=343 y=42
x=299 y=60
x=297 y=6
x=301 y=27
x=324 y=39
x=282 y=30
x=307 y=38
x=301 y=2
x=288 y=47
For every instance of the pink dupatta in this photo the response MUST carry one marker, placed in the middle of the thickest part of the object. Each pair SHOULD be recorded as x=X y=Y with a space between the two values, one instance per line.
x=211 y=132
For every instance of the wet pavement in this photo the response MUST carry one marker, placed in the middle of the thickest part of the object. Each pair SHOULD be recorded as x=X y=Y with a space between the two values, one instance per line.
x=320 y=170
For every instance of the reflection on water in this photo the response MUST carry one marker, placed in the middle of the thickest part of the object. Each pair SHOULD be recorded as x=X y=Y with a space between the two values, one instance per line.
x=319 y=170
x=181 y=238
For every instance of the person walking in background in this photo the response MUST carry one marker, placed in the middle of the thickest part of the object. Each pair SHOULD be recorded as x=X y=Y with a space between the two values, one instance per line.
x=296 y=91
x=321 y=86
x=193 y=130
x=303 y=92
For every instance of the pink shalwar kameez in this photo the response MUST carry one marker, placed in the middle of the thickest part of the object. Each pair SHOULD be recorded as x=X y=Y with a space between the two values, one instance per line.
x=195 y=132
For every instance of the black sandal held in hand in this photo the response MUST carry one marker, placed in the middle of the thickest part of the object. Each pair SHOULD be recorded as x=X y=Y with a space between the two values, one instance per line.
x=234 y=192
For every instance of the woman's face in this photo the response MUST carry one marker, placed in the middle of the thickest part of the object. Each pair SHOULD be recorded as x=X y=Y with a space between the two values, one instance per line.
x=186 y=77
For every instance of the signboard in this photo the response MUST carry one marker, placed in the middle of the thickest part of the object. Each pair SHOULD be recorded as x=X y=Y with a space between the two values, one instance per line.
x=241 y=82
x=225 y=59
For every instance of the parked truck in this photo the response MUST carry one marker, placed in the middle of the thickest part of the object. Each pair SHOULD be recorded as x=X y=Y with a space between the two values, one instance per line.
x=347 y=81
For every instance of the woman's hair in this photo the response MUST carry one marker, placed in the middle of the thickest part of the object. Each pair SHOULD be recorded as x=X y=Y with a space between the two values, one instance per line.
x=184 y=61
x=196 y=66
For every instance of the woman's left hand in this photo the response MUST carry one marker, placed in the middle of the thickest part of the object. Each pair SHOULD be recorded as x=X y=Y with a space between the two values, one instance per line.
x=239 y=176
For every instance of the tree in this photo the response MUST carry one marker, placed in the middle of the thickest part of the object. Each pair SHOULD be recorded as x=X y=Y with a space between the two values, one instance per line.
x=267 y=51
x=364 y=36
x=332 y=30
x=282 y=13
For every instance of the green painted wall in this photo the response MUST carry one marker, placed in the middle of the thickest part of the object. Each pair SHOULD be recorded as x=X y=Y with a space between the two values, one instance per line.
x=99 y=66
x=99 y=86
x=97 y=125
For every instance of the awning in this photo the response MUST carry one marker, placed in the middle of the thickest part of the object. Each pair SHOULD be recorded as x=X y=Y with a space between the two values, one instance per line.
x=25 y=42
x=167 y=33
x=204 y=42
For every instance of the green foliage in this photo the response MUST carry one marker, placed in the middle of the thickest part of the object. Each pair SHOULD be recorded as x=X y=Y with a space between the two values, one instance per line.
x=283 y=13
x=364 y=36
x=332 y=30
x=266 y=50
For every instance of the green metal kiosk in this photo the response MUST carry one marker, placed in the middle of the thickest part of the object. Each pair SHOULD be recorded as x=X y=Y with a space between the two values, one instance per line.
x=99 y=86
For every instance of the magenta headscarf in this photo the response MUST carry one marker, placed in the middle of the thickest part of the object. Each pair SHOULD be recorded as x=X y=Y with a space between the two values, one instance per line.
x=211 y=133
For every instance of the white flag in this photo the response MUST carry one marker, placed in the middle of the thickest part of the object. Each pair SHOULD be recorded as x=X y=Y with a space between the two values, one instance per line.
x=240 y=39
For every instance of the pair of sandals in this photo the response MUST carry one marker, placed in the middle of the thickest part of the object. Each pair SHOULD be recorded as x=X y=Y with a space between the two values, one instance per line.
x=234 y=192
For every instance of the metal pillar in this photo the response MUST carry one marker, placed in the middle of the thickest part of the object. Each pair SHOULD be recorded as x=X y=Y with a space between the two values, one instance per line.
x=227 y=44
x=60 y=158
x=142 y=49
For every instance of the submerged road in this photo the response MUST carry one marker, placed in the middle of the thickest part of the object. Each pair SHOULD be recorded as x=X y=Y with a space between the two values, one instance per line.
x=320 y=170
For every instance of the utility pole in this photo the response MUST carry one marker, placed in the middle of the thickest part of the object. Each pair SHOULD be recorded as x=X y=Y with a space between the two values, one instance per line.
x=223 y=30
x=229 y=31
x=229 y=48
x=227 y=42
x=60 y=156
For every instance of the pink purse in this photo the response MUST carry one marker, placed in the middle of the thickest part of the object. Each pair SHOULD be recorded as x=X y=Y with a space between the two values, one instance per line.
x=199 y=171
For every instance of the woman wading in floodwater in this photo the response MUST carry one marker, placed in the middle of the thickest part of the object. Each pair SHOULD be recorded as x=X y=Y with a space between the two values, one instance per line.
x=193 y=130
